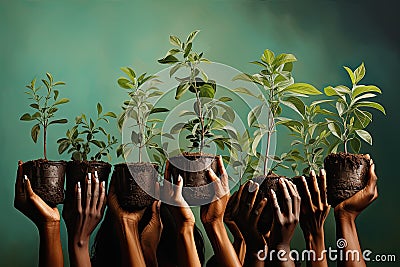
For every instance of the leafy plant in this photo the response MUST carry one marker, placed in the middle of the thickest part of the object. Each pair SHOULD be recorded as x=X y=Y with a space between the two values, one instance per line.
x=210 y=115
x=139 y=108
x=278 y=85
x=82 y=138
x=352 y=119
x=45 y=106
x=309 y=133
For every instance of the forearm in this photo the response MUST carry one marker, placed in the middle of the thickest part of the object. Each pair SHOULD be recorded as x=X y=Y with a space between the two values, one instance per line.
x=316 y=243
x=239 y=245
x=279 y=255
x=346 y=229
x=50 y=250
x=78 y=252
x=131 y=250
x=186 y=247
x=221 y=244
x=150 y=257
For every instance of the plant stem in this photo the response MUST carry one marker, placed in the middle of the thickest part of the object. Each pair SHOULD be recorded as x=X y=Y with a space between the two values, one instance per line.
x=269 y=134
x=200 y=115
x=44 y=141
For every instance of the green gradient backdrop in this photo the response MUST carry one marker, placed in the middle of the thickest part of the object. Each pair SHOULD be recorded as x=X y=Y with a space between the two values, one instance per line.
x=85 y=42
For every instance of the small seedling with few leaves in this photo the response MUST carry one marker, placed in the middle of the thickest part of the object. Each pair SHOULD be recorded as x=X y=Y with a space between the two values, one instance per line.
x=45 y=103
x=139 y=108
x=83 y=140
x=210 y=116
x=275 y=77
x=351 y=117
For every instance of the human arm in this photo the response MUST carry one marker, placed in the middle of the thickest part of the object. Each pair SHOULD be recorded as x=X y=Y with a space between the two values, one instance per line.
x=313 y=213
x=81 y=216
x=46 y=219
x=286 y=216
x=346 y=214
x=212 y=218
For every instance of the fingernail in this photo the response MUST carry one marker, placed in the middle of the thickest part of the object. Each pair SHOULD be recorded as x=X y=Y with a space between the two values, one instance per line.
x=281 y=180
x=79 y=185
x=95 y=174
x=273 y=193
x=312 y=173
x=179 y=178
x=103 y=184
x=303 y=178
x=323 y=172
x=26 y=177
x=89 y=178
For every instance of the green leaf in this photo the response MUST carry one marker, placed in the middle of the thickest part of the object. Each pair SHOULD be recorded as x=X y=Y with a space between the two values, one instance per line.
x=168 y=60
x=371 y=105
x=177 y=128
x=130 y=72
x=355 y=144
x=361 y=89
x=283 y=59
x=351 y=74
x=225 y=99
x=253 y=115
x=191 y=36
x=174 y=69
x=334 y=129
x=182 y=88
x=35 y=132
x=243 y=90
x=158 y=110
x=110 y=114
x=302 y=88
x=26 y=117
x=60 y=121
x=56 y=92
x=359 y=73
x=59 y=83
x=49 y=77
x=255 y=143
x=364 y=135
x=99 y=109
x=296 y=104
x=207 y=90
x=63 y=146
x=268 y=56
x=124 y=83
x=175 y=40
x=340 y=107
x=187 y=50
x=61 y=101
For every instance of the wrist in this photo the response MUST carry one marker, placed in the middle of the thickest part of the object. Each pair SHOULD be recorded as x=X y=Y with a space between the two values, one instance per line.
x=49 y=227
x=315 y=241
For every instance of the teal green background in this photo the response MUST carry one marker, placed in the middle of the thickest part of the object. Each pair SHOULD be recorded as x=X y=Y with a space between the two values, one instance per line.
x=84 y=43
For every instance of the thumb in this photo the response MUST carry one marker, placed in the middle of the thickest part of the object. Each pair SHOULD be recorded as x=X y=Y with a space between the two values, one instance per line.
x=28 y=186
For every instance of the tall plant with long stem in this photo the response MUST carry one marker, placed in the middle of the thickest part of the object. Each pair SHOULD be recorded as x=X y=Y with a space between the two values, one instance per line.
x=275 y=77
x=139 y=108
x=207 y=110
x=45 y=105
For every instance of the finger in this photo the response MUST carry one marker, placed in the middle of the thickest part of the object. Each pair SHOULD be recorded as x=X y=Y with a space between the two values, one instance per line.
x=78 y=191
x=257 y=212
x=307 y=198
x=19 y=181
x=317 y=197
x=295 y=197
x=28 y=188
x=288 y=200
x=275 y=205
x=223 y=173
x=88 y=190
x=95 y=197
x=178 y=187
x=157 y=191
x=217 y=184
x=167 y=172
x=244 y=205
x=251 y=198
x=111 y=187
x=373 y=178
x=102 y=198
x=322 y=177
